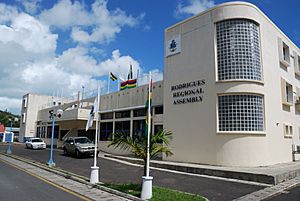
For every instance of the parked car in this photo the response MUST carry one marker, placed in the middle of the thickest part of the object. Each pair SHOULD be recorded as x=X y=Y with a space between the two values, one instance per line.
x=79 y=146
x=35 y=143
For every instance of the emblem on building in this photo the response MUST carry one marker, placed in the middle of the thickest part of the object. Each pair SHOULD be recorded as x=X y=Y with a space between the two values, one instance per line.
x=173 y=46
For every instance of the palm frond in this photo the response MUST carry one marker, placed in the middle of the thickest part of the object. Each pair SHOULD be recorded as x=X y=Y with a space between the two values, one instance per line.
x=138 y=145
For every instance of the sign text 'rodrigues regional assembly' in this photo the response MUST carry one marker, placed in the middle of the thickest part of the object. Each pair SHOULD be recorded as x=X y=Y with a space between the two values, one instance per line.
x=189 y=92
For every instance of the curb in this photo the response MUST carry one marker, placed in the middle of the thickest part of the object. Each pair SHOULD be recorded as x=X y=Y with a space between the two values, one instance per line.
x=72 y=176
x=245 y=176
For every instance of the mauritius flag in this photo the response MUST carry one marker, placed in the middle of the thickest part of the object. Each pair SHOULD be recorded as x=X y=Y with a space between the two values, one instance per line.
x=128 y=84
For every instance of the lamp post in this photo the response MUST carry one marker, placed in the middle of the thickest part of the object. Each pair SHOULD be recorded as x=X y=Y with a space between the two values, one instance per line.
x=59 y=113
x=51 y=163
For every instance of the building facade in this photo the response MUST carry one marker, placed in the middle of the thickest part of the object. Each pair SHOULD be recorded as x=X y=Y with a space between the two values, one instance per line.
x=230 y=93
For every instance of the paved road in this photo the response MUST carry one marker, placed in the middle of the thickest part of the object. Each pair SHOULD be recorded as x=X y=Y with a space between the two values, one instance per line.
x=111 y=171
x=18 y=185
x=290 y=195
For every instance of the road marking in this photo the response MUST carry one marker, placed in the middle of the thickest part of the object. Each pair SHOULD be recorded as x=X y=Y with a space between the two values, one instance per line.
x=49 y=182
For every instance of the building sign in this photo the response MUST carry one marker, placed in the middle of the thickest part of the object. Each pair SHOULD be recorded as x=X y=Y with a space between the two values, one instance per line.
x=189 y=92
x=173 y=46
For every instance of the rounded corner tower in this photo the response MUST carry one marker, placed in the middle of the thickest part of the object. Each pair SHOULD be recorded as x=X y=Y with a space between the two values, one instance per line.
x=230 y=81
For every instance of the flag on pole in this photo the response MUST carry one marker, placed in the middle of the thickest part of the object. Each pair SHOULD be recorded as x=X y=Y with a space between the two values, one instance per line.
x=130 y=73
x=113 y=77
x=128 y=84
x=148 y=125
x=131 y=83
x=123 y=85
x=93 y=111
x=148 y=106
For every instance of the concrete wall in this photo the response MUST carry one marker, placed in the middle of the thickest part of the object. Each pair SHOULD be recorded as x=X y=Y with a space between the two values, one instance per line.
x=30 y=108
x=196 y=137
x=132 y=97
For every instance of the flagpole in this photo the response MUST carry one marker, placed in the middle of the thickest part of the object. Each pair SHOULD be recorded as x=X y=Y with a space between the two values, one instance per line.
x=94 y=169
x=108 y=81
x=147 y=180
x=96 y=134
x=118 y=84
x=149 y=128
x=137 y=77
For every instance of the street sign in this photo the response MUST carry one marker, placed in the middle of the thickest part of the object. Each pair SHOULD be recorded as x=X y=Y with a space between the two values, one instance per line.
x=8 y=137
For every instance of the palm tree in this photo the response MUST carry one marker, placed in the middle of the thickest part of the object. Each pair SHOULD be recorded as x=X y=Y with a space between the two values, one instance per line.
x=138 y=146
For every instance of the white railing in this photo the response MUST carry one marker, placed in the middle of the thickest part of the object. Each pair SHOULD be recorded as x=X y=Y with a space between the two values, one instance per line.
x=142 y=79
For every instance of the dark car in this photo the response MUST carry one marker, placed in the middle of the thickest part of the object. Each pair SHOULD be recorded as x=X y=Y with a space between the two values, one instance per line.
x=79 y=146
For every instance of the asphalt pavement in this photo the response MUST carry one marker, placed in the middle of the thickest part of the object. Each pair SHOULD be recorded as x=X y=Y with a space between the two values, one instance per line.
x=115 y=172
x=290 y=195
x=16 y=185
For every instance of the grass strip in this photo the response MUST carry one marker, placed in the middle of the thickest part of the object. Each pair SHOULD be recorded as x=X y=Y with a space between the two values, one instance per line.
x=158 y=193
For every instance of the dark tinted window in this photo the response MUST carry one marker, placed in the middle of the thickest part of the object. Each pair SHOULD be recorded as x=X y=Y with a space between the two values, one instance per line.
x=123 y=114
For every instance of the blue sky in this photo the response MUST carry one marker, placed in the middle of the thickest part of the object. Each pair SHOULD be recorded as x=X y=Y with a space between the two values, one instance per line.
x=55 y=47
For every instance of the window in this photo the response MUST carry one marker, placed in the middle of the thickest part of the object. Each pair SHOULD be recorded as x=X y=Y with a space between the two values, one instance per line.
x=286 y=52
x=63 y=134
x=108 y=115
x=241 y=113
x=139 y=112
x=159 y=110
x=297 y=63
x=106 y=130
x=287 y=92
x=25 y=102
x=38 y=131
x=123 y=114
x=122 y=126
x=288 y=129
x=23 y=117
x=139 y=128
x=238 y=50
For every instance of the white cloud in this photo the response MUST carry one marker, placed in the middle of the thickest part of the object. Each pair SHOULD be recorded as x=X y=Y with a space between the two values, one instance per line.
x=31 y=6
x=156 y=75
x=12 y=105
x=77 y=60
x=7 y=13
x=29 y=33
x=29 y=64
x=66 y=14
x=47 y=78
x=119 y=65
x=100 y=25
x=194 y=7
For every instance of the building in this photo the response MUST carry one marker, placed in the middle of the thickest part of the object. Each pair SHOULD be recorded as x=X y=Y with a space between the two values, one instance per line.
x=230 y=93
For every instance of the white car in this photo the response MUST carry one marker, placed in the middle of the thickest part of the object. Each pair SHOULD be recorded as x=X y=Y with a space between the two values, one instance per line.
x=35 y=143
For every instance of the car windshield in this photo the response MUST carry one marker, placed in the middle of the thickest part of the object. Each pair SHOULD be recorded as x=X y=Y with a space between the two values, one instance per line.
x=37 y=140
x=82 y=140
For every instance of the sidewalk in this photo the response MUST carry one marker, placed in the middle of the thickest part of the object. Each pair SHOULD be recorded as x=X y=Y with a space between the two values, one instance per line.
x=80 y=186
x=273 y=175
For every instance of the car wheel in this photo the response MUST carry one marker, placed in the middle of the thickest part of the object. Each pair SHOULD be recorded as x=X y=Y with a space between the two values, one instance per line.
x=31 y=147
x=65 y=152
x=77 y=153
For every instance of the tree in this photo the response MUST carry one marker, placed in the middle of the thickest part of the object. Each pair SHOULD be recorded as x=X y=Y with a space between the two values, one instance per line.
x=138 y=146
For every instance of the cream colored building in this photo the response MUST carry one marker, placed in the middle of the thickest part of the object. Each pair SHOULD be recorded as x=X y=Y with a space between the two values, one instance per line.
x=230 y=93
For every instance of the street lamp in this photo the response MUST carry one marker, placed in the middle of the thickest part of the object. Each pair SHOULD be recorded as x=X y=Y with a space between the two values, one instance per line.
x=59 y=112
